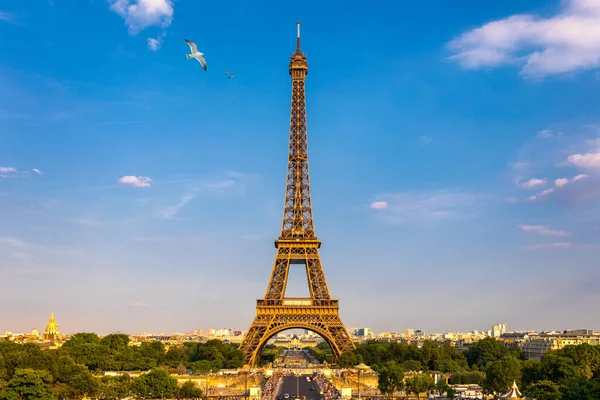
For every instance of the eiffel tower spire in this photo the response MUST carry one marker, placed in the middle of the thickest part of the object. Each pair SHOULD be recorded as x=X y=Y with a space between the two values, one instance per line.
x=297 y=210
x=297 y=244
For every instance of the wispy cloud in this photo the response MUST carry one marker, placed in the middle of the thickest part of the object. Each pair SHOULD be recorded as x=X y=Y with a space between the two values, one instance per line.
x=4 y=114
x=543 y=230
x=139 y=304
x=545 y=134
x=424 y=140
x=135 y=181
x=566 y=42
x=164 y=239
x=427 y=205
x=576 y=152
x=378 y=205
x=553 y=245
x=154 y=44
x=172 y=211
x=533 y=183
x=226 y=183
x=37 y=171
x=8 y=17
x=140 y=14
x=7 y=170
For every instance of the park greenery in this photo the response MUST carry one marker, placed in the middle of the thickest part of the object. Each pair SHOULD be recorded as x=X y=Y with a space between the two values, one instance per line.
x=77 y=368
x=572 y=373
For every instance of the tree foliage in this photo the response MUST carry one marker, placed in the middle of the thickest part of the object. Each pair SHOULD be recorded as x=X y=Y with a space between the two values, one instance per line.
x=390 y=379
x=69 y=371
x=429 y=357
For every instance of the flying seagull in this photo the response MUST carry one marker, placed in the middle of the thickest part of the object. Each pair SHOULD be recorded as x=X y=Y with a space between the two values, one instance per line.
x=196 y=54
x=230 y=76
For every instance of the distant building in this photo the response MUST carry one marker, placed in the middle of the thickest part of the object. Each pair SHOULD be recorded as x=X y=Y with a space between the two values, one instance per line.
x=52 y=333
x=498 y=330
x=361 y=332
x=537 y=345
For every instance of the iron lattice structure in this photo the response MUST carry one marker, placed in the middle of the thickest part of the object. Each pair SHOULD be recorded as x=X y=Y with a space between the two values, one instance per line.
x=297 y=244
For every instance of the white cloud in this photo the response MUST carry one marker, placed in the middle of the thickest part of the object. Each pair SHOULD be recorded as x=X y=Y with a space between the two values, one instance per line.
x=520 y=165
x=226 y=183
x=553 y=245
x=540 y=196
x=139 y=304
x=140 y=14
x=6 y=170
x=543 y=230
x=566 y=42
x=171 y=211
x=426 y=205
x=379 y=205
x=545 y=133
x=37 y=171
x=585 y=161
x=154 y=44
x=560 y=182
x=532 y=183
x=7 y=17
x=424 y=139
x=135 y=181
x=12 y=241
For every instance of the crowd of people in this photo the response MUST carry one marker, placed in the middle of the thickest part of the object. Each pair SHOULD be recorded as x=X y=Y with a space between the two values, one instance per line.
x=329 y=391
x=271 y=386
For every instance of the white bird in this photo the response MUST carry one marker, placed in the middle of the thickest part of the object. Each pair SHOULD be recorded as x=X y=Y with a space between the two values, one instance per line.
x=196 y=54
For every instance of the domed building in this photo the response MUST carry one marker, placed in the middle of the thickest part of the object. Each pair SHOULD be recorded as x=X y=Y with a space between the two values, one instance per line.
x=52 y=333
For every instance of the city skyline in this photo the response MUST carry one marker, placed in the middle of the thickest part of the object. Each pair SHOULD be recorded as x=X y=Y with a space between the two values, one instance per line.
x=455 y=162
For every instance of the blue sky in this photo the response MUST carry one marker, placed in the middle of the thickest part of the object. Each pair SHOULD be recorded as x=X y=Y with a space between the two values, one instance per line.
x=454 y=155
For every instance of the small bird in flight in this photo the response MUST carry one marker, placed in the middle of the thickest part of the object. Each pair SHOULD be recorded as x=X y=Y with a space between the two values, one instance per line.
x=230 y=76
x=196 y=54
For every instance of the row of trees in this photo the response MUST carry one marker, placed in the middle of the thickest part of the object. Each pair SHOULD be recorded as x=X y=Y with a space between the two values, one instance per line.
x=70 y=372
x=30 y=384
x=113 y=353
x=567 y=374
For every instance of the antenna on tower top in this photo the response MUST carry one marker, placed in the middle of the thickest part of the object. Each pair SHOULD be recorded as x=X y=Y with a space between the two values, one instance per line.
x=298 y=39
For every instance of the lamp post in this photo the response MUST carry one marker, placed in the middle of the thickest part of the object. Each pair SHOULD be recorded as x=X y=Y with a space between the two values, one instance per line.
x=246 y=386
x=359 y=368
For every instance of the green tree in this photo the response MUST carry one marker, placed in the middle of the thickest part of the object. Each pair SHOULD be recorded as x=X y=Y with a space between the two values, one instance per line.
x=115 y=387
x=579 y=388
x=85 y=349
x=444 y=389
x=76 y=379
x=189 y=390
x=349 y=359
x=543 y=390
x=155 y=384
x=412 y=365
x=390 y=379
x=500 y=374
x=467 y=377
x=174 y=357
x=29 y=384
x=483 y=352
x=418 y=384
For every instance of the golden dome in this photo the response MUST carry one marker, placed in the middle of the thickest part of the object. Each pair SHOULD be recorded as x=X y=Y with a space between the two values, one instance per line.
x=52 y=326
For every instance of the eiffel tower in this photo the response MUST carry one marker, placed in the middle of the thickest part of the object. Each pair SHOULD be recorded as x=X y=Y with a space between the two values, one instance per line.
x=297 y=245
